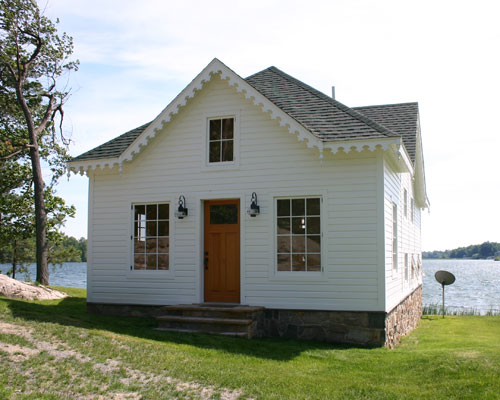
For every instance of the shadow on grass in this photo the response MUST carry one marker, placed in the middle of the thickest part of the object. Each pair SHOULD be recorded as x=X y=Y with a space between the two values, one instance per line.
x=72 y=311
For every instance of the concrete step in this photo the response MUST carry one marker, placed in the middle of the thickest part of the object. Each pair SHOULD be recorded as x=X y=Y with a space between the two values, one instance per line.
x=204 y=324
x=233 y=334
x=213 y=311
x=224 y=319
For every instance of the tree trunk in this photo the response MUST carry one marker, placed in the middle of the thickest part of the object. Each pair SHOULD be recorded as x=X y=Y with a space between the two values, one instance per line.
x=14 y=260
x=42 y=266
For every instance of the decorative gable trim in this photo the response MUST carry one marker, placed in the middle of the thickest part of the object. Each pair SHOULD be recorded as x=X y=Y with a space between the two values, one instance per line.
x=216 y=67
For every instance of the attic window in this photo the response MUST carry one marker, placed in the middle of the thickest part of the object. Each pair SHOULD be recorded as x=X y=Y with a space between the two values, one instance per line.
x=221 y=140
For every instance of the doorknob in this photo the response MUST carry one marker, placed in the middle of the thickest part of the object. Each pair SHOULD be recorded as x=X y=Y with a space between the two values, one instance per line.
x=206 y=261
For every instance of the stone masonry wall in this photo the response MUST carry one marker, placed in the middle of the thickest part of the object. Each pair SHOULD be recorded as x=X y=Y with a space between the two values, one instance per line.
x=403 y=318
x=360 y=328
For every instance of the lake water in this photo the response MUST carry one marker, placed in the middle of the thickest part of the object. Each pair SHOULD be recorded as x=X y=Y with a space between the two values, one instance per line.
x=69 y=274
x=477 y=284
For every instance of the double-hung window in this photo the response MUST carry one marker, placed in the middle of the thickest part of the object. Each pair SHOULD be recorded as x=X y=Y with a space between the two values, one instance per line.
x=298 y=234
x=405 y=202
x=220 y=140
x=394 y=236
x=151 y=236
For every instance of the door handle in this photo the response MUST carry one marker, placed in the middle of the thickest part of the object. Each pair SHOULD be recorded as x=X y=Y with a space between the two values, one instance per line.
x=206 y=262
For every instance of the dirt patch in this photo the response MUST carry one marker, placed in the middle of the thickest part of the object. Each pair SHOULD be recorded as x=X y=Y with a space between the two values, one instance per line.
x=16 y=289
x=60 y=350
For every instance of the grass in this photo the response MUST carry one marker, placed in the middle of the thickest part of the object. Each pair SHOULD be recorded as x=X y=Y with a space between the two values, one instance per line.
x=436 y=309
x=55 y=350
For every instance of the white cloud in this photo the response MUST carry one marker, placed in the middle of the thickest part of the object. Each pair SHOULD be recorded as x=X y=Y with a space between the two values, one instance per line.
x=136 y=56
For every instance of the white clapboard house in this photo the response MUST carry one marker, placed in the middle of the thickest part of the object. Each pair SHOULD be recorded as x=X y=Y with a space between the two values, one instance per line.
x=265 y=201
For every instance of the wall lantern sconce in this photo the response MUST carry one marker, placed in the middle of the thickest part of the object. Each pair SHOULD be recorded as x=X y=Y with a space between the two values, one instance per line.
x=254 y=209
x=182 y=211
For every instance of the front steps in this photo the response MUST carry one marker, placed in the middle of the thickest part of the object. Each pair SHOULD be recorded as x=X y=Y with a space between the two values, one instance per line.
x=220 y=319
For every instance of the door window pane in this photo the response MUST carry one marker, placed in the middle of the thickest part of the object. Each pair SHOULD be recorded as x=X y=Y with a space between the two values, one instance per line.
x=223 y=214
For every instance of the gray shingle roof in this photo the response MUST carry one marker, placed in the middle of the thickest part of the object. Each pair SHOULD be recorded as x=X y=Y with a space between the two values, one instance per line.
x=114 y=147
x=326 y=118
x=399 y=118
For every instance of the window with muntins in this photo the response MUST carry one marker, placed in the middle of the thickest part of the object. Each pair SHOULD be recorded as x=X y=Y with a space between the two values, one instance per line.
x=405 y=201
x=394 y=236
x=221 y=140
x=151 y=236
x=298 y=234
x=406 y=267
x=412 y=205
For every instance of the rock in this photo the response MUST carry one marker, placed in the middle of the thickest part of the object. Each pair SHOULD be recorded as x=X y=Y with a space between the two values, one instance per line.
x=13 y=288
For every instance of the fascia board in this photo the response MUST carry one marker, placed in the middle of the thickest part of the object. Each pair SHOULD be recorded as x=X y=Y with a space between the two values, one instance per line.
x=81 y=167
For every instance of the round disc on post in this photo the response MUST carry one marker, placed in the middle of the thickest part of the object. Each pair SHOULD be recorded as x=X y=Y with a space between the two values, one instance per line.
x=444 y=277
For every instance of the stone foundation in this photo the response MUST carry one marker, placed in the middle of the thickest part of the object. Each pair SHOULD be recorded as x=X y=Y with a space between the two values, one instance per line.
x=403 y=318
x=361 y=328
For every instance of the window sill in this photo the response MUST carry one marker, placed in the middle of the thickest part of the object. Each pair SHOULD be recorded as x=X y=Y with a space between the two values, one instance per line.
x=221 y=166
x=299 y=276
x=150 y=274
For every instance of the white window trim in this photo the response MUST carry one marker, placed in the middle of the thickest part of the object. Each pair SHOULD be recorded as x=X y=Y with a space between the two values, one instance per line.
x=395 y=265
x=406 y=266
x=405 y=202
x=151 y=274
x=299 y=276
x=235 y=164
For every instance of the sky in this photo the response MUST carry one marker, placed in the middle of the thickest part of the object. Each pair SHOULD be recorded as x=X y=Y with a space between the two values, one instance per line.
x=136 y=56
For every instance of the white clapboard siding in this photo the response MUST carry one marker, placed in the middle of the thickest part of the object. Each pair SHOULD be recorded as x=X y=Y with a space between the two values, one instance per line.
x=397 y=287
x=271 y=162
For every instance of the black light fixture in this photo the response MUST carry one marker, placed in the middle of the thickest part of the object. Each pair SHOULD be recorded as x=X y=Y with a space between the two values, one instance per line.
x=254 y=209
x=182 y=211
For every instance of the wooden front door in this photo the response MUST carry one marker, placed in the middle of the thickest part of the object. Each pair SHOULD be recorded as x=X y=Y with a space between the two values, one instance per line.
x=222 y=251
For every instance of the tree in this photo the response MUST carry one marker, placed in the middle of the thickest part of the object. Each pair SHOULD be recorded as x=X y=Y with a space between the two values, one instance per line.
x=33 y=58
x=17 y=229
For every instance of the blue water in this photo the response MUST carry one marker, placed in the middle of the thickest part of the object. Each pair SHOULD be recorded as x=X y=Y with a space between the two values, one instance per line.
x=477 y=284
x=68 y=274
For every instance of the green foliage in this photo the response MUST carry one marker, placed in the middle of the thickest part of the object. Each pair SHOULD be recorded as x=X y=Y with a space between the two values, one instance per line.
x=33 y=56
x=65 y=249
x=476 y=252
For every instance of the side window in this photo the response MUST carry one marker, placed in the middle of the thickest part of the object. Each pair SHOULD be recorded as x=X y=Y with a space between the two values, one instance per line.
x=220 y=140
x=412 y=205
x=406 y=267
x=405 y=202
x=394 y=236
x=298 y=234
x=151 y=236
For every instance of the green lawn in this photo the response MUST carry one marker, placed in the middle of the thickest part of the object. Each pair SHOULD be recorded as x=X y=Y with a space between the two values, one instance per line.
x=55 y=350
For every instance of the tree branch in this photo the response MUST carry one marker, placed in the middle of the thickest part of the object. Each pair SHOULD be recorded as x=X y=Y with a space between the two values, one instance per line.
x=35 y=53
x=25 y=147
x=46 y=116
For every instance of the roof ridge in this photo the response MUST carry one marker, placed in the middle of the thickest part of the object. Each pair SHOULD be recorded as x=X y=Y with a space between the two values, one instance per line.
x=388 y=105
x=353 y=113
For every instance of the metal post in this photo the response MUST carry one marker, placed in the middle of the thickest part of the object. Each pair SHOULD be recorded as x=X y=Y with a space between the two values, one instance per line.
x=442 y=284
